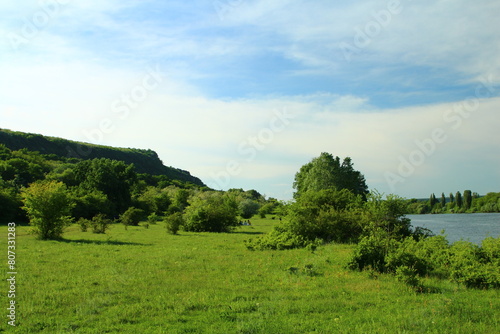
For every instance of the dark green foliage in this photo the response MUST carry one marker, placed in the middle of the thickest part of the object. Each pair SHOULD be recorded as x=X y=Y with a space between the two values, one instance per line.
x=443 y=200
x=327 y=172
x=132 y=216
x=89 y=203
x=10 y=203
x=458 y=199
x=174 y=222
x=467 y=200
x=145 y=161
x=433 y=200
x=113 y=178
x=211 y=212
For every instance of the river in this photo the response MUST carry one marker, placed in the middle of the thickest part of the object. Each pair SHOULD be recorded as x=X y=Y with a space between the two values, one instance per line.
x=471 y=227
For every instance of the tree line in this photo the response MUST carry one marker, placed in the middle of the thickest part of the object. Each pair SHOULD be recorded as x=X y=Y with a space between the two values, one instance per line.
x=52 y=192
x=469 y=202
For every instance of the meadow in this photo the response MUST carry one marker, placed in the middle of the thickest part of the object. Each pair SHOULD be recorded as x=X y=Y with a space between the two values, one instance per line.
x=144 y=280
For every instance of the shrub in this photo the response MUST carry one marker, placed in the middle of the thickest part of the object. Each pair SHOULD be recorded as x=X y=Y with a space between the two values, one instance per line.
x=280 y=238
x=173 y=222
x=153 y=218
x=48 y=206
x=211 y=212
x=100 y=224
x=408 y=276
x=370 y=252
x=132 y=217
x=473 y=266
x=84 y=224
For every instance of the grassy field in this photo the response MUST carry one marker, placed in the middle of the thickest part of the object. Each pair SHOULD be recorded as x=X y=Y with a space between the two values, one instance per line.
x=147 y=281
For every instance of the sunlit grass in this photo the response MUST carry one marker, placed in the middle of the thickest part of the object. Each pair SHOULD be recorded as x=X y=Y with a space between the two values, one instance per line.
x=148 y=281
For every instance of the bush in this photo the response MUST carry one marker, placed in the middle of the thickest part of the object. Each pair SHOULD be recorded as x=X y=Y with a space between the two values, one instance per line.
x=211 y=212
x=84 y=224
x=153 y=218
x=408 y=276
x=100 y=224
x=281 y=238
x=48 y=206
x=174 y=222
x=370 y=252
x=132 y=217
x=475 y=267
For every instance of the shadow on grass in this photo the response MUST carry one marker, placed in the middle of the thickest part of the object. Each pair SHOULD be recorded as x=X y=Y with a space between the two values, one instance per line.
x=247 y=232
x=103 y=242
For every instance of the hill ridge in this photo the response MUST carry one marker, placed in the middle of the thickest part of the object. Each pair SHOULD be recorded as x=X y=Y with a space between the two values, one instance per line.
x=144 y=160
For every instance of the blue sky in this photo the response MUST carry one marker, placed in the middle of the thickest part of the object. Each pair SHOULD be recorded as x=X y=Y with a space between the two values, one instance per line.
x=243 y=92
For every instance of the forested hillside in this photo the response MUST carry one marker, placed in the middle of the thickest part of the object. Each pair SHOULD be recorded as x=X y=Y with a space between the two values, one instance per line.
x=145 y=161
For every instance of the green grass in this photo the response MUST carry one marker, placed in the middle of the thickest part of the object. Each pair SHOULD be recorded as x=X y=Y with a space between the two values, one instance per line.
x=147 y=281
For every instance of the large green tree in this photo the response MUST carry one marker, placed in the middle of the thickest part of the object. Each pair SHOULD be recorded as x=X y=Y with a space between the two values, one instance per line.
x=329 y=172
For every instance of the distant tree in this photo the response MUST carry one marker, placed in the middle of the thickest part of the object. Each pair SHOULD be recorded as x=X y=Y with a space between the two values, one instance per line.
x=48 y=205
x=467 y=200
x=443 y=200
x=211 y=212
x=433 y=200
x=452 y=198
x=248 y=208
x=328 y=172
x=458 y=199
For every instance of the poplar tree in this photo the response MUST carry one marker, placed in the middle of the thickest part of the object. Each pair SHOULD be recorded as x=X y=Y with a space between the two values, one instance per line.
x=443 y=200
x=467 y=201
x=458 y=199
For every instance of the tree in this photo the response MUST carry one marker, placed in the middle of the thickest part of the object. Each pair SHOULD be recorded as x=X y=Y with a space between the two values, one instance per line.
x=48 y=205
x=443 y=200
x=132 y=216
x=467 y=200
x=327 y=172
x=433 y=201
x=452 y=198
x=211 y=212
x=114 y=178
x=248 y=208
x=458 y=199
